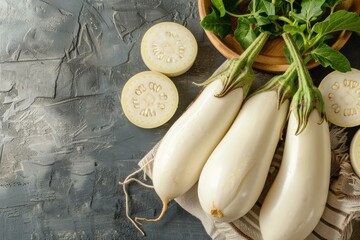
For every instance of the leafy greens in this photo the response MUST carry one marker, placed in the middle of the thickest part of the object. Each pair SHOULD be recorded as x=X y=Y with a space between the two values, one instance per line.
x=310 y=22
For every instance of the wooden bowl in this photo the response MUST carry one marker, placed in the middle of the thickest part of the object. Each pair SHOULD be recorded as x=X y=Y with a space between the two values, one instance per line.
x=271 y=58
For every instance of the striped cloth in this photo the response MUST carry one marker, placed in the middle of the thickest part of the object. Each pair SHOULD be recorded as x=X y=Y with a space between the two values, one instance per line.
x=342 y=208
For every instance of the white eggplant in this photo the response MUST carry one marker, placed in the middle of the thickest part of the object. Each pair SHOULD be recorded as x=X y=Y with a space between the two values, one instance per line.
x=297 y=198
x=234 y=175
x=189 y=142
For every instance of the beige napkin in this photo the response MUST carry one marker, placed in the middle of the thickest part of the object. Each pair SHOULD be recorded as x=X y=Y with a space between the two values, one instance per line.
x=343 y=203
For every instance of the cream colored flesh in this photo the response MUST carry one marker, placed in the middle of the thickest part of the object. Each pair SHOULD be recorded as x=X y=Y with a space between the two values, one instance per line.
x=169 y=48
x=187 y=145
x=297 y=198
x=341 y=94
x=234 y=175
x=149 y=99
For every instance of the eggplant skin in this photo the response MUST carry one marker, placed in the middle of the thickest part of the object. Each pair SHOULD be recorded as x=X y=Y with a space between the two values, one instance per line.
x=297 y=198
x=187 y=145
x=235 y=173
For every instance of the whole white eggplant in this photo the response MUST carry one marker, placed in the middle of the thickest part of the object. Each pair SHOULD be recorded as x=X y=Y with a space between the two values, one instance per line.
x=189 y=142
x=297 y=198
x=234 y=175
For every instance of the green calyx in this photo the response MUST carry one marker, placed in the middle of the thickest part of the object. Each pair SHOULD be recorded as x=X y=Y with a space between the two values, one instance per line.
x=238 y=72
x=308 y=96
x=284 y=85
x=302 y=104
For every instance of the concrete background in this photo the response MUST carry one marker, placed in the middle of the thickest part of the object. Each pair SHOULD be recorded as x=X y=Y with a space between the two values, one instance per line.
x=64 y=141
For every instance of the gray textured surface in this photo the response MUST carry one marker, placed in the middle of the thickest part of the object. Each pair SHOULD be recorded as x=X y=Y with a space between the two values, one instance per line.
x=64 y=141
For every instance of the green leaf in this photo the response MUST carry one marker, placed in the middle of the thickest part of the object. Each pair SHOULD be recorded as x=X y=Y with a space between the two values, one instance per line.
x=262 y=20
x=225 y=6
x=294 y=29
x=267 y=7
x=245 y=33
x=264 y=12
x=338 y=21
x=271 y=29
x=328 y=56
x=219 y=5
x=279 y=5
x=221 y=26
x=310 y=10
x=332 y=3
x=231 y=5
x=262 y=6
